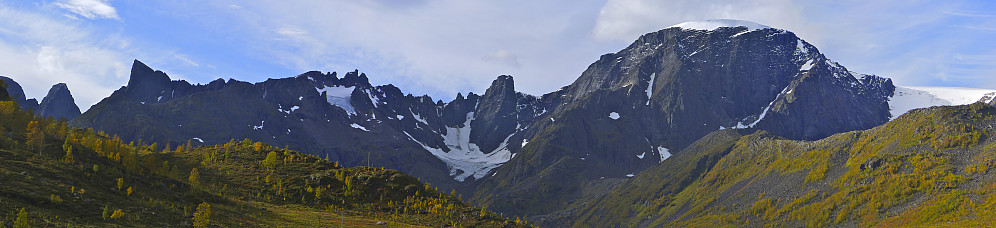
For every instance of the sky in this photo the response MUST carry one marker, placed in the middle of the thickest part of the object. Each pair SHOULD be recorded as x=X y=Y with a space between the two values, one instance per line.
x=443 y=47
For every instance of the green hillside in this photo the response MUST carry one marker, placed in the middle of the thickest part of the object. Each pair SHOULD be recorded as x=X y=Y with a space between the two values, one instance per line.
x=929 y=167
x=54 y=176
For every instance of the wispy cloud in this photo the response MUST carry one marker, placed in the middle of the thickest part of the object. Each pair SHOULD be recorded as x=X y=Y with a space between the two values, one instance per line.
x=503 y=56
x=40 y=50
x=292 y=32
x=436 y=47
x=91 y=9
x=184 y=59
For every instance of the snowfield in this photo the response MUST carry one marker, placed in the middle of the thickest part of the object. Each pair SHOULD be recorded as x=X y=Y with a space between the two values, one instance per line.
x=339 y=96
x=909 y=98
x=719 y=23
x=465 y=159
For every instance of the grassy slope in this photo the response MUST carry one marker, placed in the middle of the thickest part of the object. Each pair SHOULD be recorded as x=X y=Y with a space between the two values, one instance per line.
x=928 y=167
x=297 y=190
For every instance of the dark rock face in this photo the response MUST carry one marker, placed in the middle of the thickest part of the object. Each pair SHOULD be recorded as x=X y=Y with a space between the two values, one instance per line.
x=4 y=95
x=17 y=94
x=817 y=111
x=632 y=108
x=145 y=83
x=59 y=103
x=496 y=114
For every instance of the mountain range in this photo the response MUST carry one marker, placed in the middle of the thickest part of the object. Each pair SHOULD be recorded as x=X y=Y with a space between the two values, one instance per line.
x=658 y=118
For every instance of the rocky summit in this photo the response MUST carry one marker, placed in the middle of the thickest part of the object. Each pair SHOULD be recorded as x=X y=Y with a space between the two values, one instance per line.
x=59 y=103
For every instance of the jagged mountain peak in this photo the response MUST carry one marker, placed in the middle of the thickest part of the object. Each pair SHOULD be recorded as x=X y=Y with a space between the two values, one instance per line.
x=503 y=85
x=146 y=84
x=142 y=74
x=356 y=78
x=496 y=114
x=59 y=103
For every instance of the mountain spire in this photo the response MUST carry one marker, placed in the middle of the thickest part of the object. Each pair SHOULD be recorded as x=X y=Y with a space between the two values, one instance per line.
x=59 y=103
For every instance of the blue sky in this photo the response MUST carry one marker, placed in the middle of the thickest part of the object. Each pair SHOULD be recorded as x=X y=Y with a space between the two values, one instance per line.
x=443 y=47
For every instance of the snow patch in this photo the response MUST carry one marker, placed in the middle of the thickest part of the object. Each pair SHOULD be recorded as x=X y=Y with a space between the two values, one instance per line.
x=908 y=98
x=764 y=113
x=400 y=117
x=720 y=23
x=280 y=108
x=663 y=152
x=808 y=65
x=800 y=48
x=650 y=87
x=260 y=127
x=524 y=142
x=357 y=126
x=339 y=96
x=465 y=159
x=373 y=99
x=614 y=115
x=198 y=139
x=641 y=155
x=418 y=117
x=630 y=175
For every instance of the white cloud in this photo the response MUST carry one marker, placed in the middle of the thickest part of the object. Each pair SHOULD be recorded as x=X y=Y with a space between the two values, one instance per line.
x=503 y=56
x=292 y=32
x=625 y=20
x=437 y=47
x=184 y=59
x=91 y=9
x=39 y=51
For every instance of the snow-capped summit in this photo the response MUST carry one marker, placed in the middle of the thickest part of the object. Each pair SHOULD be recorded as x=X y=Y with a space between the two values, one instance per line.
x=720 y=23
